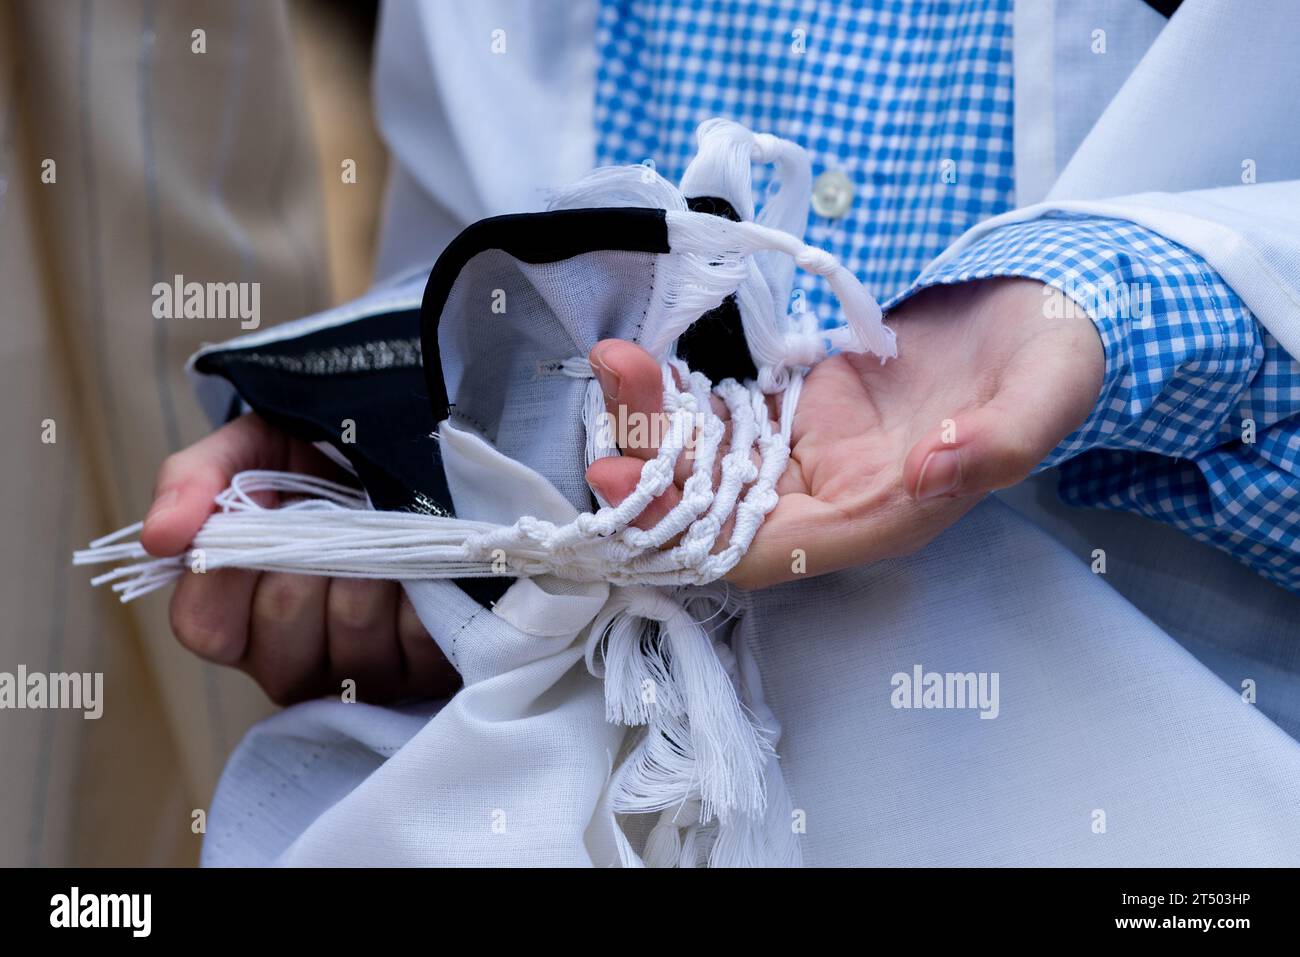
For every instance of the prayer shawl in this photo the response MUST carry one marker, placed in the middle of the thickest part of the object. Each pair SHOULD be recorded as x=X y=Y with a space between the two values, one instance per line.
x=485 y=483
x=620 y=707
x=1111 y=744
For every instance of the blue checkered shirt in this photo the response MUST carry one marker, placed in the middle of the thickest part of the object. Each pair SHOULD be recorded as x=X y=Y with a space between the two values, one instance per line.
x=1198 y=422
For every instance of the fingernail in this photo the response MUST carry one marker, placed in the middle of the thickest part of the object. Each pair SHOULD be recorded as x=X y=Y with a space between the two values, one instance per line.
x=610 y=381
x=162 y=503
x=940 y=474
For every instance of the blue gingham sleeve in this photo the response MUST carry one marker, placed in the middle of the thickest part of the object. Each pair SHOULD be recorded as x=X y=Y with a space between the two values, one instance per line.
x=1198 y=421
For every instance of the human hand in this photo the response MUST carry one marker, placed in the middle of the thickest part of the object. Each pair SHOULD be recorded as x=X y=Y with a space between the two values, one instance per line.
x=298 y=636
x=884 y=457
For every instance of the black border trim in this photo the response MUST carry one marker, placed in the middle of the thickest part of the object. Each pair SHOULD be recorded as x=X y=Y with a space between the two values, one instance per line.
x=533 y=238
x=1166 y=8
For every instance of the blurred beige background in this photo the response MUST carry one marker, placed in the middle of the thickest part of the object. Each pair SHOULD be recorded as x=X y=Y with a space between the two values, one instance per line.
x=221 y=165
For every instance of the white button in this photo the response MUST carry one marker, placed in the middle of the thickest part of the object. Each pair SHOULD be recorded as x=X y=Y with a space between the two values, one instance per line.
x=832 y=194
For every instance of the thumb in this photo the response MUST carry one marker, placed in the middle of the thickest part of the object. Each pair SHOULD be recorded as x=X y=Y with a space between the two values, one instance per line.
x=189 y=480
x=995 y=445
x=975 y=453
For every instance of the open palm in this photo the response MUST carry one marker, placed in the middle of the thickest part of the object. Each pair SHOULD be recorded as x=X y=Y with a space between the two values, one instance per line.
x=884 y=457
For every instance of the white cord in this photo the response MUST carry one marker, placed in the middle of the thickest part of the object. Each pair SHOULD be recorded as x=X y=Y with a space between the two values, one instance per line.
x=346 y=537
x=705 y=758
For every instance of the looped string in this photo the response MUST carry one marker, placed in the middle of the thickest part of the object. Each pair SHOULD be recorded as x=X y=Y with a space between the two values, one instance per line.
x=346 y=537
x=703 y=757
x=779 y=340
x=699 y=743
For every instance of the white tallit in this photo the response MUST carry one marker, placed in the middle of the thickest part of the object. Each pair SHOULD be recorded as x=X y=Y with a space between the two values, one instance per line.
x=1113 y=744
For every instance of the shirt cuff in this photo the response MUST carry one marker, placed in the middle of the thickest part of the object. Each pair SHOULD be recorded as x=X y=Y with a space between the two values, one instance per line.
x=1180 y=346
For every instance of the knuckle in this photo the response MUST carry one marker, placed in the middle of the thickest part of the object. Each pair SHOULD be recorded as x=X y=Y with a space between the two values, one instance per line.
x=281 y=597
x=194 y=629
x=355 y=603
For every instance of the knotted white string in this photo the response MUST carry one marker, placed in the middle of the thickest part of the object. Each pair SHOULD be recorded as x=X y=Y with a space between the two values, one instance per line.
x=705 y=759
x=346 y=537
x=700 y=755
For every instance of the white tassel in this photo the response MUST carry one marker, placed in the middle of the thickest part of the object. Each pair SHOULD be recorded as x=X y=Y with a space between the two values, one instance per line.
x=663 y=846
x=775 y=842
x=727 y=243
x=723 y=167
x=700 y=742
x=346 y=538
x=630 y=656
x=729 y=752
x=705 y=761
x=659 y=772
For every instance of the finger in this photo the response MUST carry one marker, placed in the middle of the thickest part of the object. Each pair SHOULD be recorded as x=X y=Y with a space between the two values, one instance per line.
x=189 y=480
x=210 y=613
x=614 y=479
x=633 y=385
x=685 y=463
x=1042 y=398
x=361 y=620
x=728 y=526
x=287 y=653
x=428 y=672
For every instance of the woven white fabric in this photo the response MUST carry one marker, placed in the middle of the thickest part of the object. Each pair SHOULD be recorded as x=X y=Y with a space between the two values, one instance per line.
x=1099 y=711
x=1101 y=702
x=701 y=755
x=1089 y=753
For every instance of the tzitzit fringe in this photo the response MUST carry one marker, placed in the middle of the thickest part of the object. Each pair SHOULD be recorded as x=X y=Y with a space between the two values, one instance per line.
x=703 y=755
x=347 y=538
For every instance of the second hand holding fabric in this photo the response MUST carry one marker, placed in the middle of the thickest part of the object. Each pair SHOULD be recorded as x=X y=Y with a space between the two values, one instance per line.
x=706 y=758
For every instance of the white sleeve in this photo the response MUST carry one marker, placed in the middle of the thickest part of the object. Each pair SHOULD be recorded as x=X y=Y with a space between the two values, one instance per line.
x=1250 y=234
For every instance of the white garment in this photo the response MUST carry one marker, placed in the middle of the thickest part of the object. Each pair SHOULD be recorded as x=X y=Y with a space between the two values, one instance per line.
x=1113 y=745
